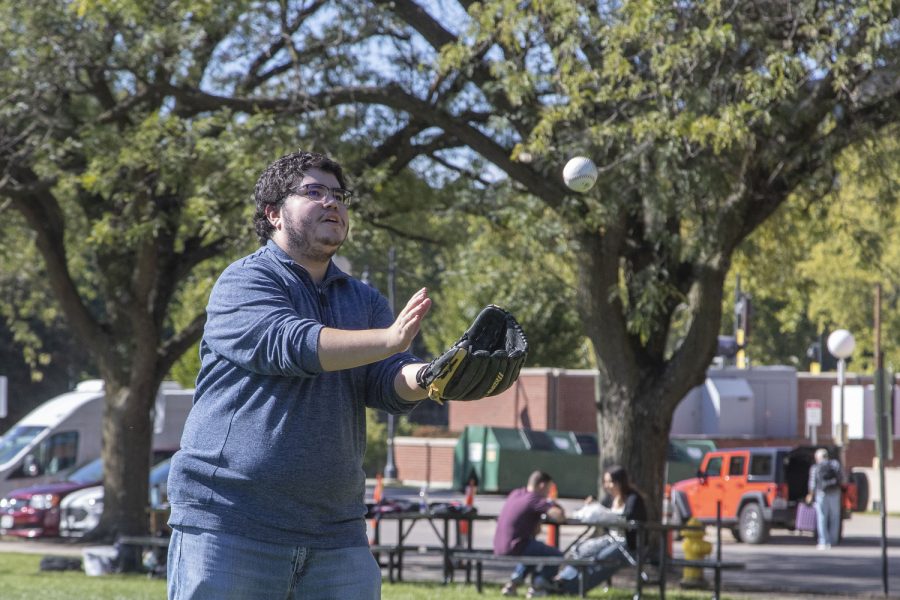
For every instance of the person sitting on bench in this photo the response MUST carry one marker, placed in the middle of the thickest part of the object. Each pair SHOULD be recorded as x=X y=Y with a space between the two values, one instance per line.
x=518 y=523
x=624 y=502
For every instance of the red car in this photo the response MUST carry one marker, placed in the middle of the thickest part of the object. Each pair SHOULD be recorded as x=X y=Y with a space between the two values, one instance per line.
x=34 y=511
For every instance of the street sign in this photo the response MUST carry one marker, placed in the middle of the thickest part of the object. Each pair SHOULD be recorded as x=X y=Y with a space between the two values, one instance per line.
x=813 y=413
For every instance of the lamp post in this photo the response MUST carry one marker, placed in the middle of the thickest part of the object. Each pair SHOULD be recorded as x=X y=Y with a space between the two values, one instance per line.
x=390 y=468
x=841 y=344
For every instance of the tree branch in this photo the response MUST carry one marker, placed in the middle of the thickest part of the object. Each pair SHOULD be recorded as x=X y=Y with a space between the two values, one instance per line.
x=438 y=37
x=175 y=347
x=394 y=96
x=44 y=216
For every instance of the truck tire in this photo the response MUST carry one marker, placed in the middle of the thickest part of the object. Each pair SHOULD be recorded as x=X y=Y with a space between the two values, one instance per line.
x=736 y=533
x=862 y=490
x=753 y=527
x=681 y=512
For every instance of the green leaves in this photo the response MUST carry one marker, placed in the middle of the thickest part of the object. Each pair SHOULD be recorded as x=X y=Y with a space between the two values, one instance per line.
x=149 y=122
x=813 y=268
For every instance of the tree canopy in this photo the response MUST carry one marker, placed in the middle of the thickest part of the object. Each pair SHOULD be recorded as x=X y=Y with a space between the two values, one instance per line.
x=813 y=268
x=130 y=133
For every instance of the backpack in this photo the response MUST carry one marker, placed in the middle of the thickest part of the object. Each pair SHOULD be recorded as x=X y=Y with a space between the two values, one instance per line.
x=829 y=476
x=60 y=563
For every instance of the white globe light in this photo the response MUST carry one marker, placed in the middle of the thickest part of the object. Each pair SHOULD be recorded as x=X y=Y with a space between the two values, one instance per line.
x=841 y=343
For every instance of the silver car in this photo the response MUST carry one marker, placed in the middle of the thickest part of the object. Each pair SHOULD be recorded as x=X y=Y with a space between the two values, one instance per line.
x=80 y=511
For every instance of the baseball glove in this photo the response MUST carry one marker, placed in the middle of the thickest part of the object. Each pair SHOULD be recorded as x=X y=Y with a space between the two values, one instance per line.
x=485 y=361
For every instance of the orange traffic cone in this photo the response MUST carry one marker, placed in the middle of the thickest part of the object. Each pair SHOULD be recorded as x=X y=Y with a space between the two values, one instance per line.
x=553 y=529
x=469 y=501
x=379 y=488
x=377 y=494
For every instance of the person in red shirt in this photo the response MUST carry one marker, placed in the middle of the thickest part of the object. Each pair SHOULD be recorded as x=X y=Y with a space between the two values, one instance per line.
x=518 y=523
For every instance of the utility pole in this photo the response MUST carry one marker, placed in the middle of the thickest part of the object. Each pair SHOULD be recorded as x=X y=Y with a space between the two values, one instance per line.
x=882 y=439
x=390 y=468
x=742 y=310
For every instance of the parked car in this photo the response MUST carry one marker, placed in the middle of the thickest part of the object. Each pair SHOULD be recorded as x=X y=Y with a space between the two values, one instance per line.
x=34 y=511
x=81 y=510
x=756 y=490
x=64 y=433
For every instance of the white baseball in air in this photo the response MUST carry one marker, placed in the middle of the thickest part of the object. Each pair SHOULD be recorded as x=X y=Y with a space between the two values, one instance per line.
x=580 y=174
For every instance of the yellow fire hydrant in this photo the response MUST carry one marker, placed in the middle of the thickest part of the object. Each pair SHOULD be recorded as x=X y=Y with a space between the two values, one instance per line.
x=695 y=548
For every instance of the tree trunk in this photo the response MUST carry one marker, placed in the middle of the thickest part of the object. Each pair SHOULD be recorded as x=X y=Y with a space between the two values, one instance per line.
x=127 y=454
x=639 y=386
x=633 y=432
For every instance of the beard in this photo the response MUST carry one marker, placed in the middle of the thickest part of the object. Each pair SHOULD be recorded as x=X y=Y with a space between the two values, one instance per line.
x=304 y=238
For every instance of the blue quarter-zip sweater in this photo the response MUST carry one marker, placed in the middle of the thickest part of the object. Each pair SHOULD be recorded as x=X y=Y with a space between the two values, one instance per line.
x=273 y=446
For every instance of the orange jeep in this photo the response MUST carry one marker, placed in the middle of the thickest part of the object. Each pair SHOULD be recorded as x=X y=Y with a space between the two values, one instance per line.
x=758 y=488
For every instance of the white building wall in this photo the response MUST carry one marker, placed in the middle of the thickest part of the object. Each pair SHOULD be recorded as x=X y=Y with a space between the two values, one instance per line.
x=772 y=411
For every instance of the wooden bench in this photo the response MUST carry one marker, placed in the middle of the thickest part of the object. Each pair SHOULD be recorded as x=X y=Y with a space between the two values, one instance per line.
x=142 y=542
x=717 y=566
x=395 y=556
x=482 y=557
x=391 y=551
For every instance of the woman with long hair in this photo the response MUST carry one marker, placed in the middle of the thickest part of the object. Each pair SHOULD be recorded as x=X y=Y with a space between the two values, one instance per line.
x=624 y=503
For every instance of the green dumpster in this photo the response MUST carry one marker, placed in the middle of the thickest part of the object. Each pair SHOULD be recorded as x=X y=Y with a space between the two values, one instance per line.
x=684 y=456
x=501 y=459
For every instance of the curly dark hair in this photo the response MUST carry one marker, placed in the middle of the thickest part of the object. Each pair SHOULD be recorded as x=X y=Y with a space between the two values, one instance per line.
x=280 y=178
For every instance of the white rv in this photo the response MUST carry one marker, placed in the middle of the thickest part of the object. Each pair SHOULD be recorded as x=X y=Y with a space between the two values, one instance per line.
x=64 y=433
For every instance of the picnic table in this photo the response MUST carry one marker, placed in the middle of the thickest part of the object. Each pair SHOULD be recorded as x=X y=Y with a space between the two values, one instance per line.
x=444 y=526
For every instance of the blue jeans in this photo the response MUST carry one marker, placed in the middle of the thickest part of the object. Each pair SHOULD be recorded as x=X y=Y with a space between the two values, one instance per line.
x=605 y=551
x=536 y=548
x=828 y=516
x=211 y=565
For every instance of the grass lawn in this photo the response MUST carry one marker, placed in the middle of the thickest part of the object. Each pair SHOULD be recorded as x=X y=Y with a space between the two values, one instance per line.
x=22 y=579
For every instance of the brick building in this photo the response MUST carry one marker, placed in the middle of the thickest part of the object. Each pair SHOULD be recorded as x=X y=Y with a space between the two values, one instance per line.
x=564 y=400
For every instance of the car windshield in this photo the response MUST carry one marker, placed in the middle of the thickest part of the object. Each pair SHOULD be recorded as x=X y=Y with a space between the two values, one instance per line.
x=89 y=473
x=160 y=473
x=17 y=438
x=93 y=472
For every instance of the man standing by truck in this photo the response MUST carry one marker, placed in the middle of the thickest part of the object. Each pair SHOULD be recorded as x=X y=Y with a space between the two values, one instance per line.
x=825 y=490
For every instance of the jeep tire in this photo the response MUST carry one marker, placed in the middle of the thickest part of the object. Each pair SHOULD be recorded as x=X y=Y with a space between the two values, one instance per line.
x=752 y=525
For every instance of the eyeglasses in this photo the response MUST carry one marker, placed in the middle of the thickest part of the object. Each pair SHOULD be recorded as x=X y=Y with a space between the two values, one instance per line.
x=319 y=193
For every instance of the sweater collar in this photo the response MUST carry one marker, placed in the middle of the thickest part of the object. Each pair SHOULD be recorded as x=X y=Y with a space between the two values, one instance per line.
x=332 y=273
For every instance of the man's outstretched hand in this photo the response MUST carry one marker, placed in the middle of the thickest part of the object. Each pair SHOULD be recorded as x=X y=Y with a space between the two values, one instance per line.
x=408 y=322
